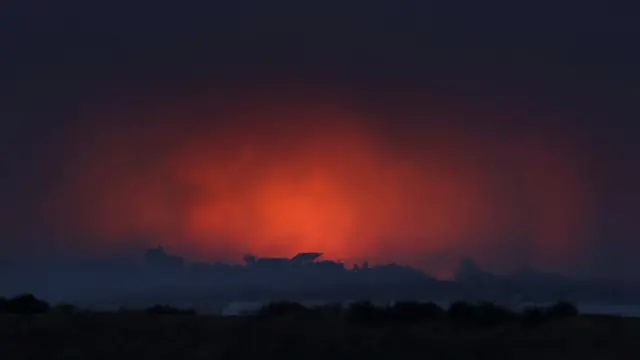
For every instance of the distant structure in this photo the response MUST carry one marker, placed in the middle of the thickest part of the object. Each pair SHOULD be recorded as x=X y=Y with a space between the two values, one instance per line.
x=158 y=258
x=305 y=258
x=273 y=263
x=249 y=259
x=281 y=262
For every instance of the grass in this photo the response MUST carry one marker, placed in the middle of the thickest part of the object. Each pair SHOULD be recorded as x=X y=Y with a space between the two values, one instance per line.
x=289 y=331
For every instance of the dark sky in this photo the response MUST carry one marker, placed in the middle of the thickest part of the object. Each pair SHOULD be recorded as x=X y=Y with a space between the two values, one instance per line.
x=472 y=80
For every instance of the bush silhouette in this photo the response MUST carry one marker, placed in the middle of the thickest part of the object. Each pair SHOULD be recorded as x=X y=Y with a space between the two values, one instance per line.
x=65 y=308
x=410 y=312
x=461 y=312
x=533 y=316
x=282 y=308
x=364 y=312
x=27 y=304
x=485 y=314
x=562 y=309
x=333 y=310
x=490 y=314
x=168 y=310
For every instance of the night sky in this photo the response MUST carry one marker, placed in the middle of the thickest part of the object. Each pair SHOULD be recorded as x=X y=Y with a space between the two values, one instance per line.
x=410 y=131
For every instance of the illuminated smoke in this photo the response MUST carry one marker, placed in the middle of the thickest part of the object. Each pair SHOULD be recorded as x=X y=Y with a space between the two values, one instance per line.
x=279 y=177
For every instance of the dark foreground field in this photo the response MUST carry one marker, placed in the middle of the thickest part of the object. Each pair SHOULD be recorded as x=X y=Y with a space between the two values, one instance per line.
x=321 y=334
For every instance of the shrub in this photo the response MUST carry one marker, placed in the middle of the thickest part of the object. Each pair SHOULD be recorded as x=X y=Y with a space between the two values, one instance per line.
x=168 y=310
x=281 y=308
x=410 y=312
x=533 y=316
x=562 y=309
x=328 y=310
x=490 y=314
x=65 y=308
x=127 y=310
x=461 y=312
x=365 y=313
x=27 y=304
x=485 y=314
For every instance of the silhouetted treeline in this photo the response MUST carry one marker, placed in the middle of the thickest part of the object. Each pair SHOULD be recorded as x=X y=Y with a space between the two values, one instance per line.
x=159 y=310
x=24 y=304
x=408 y=312
x=361 y=313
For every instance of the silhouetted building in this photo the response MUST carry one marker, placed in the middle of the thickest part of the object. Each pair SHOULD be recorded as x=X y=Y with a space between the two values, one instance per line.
x=306 y=257
x=273 y=263
x=249 y=259
x=330 y=265
x=278 y=263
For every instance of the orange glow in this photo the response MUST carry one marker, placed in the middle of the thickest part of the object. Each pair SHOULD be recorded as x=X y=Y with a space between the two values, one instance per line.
x=277 y=178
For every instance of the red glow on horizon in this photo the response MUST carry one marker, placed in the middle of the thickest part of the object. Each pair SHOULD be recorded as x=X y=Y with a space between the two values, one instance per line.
x=280 y=179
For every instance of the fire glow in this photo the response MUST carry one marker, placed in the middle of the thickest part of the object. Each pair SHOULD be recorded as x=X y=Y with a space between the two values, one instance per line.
x=281 y=177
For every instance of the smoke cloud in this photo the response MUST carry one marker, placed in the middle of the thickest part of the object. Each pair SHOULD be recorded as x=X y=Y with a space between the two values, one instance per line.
x=291 y=172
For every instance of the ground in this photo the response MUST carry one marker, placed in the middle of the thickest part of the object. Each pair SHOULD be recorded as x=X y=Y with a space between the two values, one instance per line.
x=143 y=336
